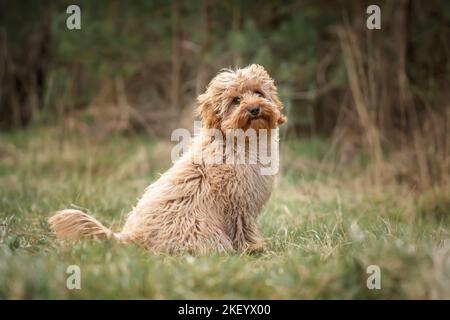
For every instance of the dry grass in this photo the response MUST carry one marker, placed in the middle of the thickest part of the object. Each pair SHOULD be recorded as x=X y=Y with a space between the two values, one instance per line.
x=324 y=225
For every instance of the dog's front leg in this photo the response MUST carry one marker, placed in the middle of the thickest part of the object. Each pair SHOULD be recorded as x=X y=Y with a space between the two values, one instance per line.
x=246 y=236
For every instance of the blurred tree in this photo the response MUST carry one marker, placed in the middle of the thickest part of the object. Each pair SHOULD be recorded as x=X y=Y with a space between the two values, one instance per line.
x=150 y=58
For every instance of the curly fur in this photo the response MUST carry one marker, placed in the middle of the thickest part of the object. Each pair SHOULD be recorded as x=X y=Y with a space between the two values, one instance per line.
x=201 y=207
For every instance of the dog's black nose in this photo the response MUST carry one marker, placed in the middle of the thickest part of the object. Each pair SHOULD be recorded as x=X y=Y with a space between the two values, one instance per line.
x=254 y=111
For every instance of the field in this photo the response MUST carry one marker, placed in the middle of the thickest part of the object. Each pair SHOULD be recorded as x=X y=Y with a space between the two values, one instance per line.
x=324 y=225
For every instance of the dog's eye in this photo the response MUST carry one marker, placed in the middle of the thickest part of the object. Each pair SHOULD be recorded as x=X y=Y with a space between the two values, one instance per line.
x=259 y=94
x=237 y=100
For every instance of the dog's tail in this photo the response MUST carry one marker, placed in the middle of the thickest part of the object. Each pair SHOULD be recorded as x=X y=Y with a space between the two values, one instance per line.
x=71 y=224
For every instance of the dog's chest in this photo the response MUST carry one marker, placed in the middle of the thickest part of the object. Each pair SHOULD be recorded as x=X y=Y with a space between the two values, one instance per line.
x=242 y=186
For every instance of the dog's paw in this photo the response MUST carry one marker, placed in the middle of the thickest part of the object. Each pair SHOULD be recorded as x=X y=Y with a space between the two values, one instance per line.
x=258 y=247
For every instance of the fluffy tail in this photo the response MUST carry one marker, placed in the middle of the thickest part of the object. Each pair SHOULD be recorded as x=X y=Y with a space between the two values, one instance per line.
x=73 y=224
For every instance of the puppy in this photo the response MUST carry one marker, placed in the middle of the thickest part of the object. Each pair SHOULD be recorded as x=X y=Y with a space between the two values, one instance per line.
x=202 y=206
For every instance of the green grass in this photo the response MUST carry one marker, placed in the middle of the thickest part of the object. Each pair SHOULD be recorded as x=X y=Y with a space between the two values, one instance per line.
x=323 y=226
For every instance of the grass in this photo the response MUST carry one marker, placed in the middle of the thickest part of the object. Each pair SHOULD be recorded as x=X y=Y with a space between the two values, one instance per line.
x=323 y=225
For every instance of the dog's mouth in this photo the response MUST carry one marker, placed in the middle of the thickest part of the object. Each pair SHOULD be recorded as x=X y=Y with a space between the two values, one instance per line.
x=260 y=121
x=255 y=120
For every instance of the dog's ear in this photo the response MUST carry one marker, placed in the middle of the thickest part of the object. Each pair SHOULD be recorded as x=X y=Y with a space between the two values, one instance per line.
x=263 y=74
x=281 y=118
x=207 y=113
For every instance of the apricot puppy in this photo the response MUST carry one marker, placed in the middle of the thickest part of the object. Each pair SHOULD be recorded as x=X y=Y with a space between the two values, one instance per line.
x=202 y=206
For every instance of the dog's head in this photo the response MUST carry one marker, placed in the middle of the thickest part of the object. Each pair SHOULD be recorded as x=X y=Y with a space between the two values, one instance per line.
x=242 y=99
